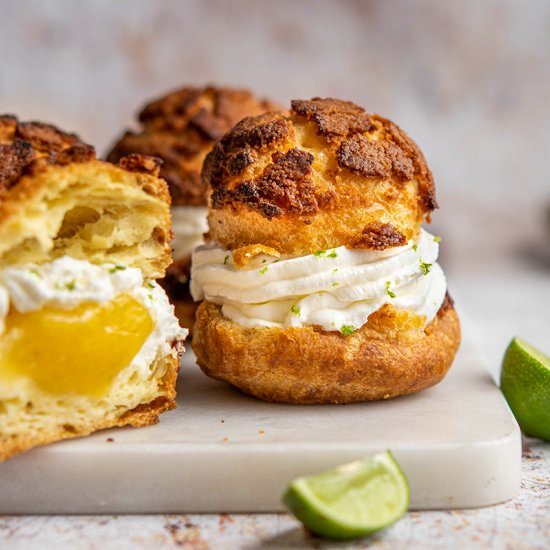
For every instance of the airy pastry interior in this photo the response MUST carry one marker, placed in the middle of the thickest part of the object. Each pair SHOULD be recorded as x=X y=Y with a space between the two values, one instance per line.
x=97 y=214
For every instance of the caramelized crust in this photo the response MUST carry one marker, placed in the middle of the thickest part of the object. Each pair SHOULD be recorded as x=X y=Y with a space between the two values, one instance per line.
x=325 y=175
x=334 y=118
x=284 y=185
x=379 y=236
x=22 y=144
x=28 y=148
x=181 y=128
x=391 y=355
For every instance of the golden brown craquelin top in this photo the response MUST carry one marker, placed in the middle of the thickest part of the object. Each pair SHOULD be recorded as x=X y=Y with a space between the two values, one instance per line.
x=181 y=128
x=56 y=198
x=327 y=174
x=28 y=147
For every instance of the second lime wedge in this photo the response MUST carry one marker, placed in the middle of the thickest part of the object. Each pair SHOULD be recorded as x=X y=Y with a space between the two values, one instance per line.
x=354 y=500
x=525 y=382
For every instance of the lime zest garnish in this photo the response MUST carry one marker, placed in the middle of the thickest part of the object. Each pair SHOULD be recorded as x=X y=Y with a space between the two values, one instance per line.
x=388 y=291
x=424 y=267
x=346 y=330
x=295 y=310
x=71 y=285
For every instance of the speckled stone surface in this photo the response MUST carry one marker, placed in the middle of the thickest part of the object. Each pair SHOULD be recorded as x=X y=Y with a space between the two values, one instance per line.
x=522 y=523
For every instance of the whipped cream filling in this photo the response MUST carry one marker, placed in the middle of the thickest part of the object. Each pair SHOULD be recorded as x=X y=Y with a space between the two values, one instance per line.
x=336 y=289
x=189 y=224
x=67 y=282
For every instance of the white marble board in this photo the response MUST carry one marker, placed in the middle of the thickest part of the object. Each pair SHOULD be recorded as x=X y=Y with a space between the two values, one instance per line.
x=221 y=451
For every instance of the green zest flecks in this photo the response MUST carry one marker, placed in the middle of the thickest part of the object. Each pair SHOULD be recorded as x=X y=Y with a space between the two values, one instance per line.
x=346 y=330
x=71 y=285
x=424 y=267
x=321 y=253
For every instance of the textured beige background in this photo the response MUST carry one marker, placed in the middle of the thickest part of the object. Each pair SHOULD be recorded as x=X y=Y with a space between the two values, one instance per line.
x=469 y=80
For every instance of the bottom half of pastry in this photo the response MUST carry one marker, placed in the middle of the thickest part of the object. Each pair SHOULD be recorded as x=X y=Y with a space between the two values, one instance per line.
x=82 y=348
x=392 y=354
x=43 y=418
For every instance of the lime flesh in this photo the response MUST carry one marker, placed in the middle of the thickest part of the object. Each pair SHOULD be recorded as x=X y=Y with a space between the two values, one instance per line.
x=352 y=501
x=525 y=382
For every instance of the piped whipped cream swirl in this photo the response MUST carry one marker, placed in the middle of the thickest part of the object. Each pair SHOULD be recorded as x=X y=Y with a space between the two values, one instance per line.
x=189 y=224
x=336 y=289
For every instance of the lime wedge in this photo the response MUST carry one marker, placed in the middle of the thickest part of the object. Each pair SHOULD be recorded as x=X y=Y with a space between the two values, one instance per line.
x=353 y=500
x=525 y=382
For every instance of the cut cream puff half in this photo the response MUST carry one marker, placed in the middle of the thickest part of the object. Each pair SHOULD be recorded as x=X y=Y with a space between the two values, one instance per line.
x=88 y=339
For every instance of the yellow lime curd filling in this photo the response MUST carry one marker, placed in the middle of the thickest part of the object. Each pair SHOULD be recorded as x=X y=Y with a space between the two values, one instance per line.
x=78 y=351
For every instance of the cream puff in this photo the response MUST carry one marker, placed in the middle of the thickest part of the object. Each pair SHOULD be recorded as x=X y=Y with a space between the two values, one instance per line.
x=180 y=129
x=319 y=284
x=88 y=339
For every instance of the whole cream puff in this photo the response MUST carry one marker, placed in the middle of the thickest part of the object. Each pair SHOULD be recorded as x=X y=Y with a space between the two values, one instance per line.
x=319 y=284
